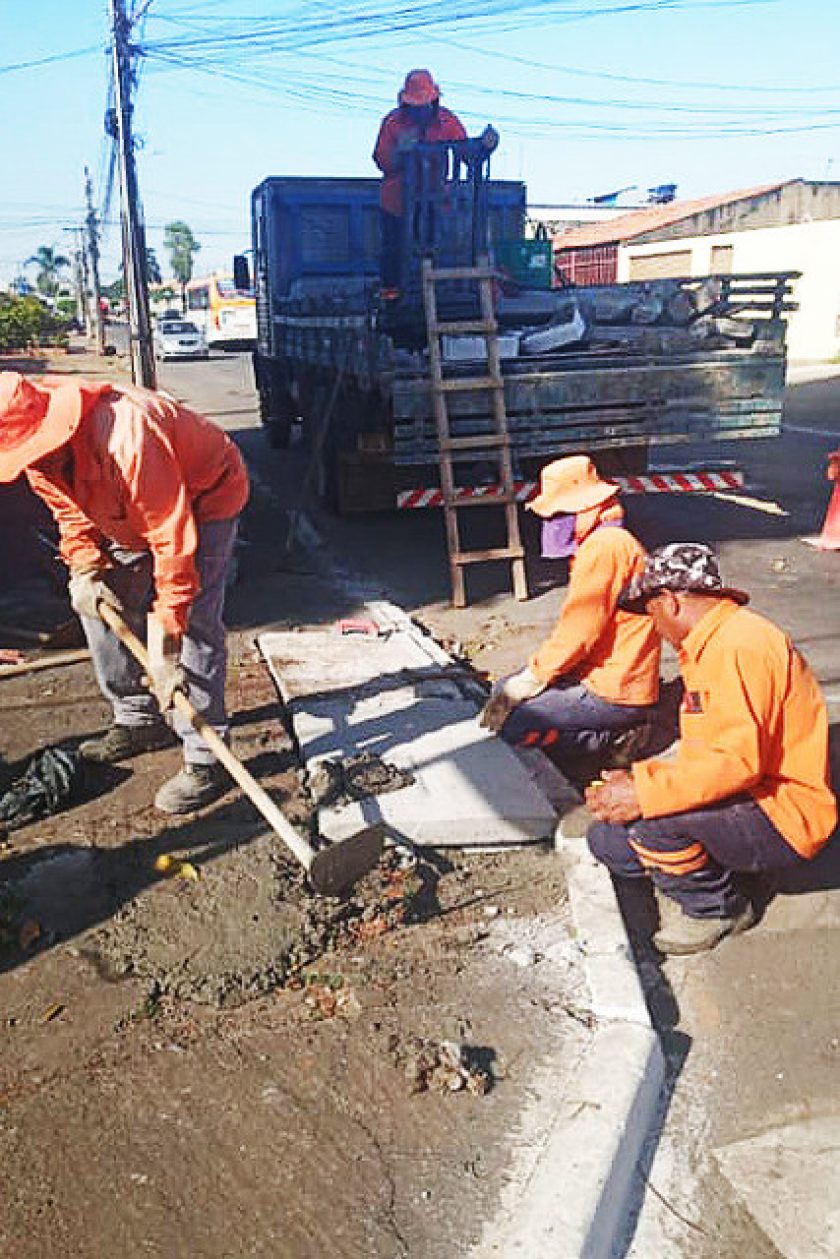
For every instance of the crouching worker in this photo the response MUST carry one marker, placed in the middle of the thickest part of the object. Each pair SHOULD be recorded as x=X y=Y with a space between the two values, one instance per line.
x=594 y=682
x=749 y=787
x=146 y=495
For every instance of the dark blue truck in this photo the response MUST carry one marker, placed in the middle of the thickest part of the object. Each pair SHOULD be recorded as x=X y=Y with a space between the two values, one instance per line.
x=670 y=361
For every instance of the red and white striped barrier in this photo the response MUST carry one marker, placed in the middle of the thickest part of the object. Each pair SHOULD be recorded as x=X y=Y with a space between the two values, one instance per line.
x=654 y=483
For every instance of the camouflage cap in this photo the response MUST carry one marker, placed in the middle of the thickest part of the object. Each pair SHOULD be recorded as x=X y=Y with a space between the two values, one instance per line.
x=683 y=567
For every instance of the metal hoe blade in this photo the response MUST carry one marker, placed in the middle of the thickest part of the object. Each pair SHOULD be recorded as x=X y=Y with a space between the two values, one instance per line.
x=338 y=867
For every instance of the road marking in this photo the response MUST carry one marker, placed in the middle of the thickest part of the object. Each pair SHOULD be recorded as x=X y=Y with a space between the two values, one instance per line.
x=833 y=433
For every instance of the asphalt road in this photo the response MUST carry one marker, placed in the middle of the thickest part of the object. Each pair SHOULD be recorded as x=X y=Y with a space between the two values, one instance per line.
x=751 y=1029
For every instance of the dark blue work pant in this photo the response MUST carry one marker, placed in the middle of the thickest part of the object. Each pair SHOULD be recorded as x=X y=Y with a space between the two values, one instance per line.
x=691 y=856
x=570 y=720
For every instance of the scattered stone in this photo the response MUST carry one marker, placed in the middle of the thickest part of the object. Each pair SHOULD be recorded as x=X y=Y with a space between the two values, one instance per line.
x=440 y=1066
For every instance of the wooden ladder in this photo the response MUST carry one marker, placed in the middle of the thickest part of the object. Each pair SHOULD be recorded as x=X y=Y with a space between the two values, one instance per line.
x=495 y=441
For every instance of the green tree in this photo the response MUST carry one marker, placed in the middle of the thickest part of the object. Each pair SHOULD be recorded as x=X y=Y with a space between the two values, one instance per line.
x=50 y=265
x=154 y=275
x=182 y=247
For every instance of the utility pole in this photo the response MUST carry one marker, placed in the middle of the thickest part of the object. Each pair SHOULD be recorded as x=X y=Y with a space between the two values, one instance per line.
x=98 y=323
x=80 y=277
x=133 y=232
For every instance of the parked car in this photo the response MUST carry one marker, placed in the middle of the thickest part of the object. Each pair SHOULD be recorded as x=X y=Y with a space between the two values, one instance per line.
x=177 y=338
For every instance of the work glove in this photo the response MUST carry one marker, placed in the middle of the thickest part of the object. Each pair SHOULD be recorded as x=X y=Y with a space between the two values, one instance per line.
x=166 y=673
x=88 y=589
x=506 y=695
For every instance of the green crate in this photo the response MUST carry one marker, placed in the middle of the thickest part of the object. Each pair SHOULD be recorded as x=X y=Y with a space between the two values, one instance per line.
x=530 y=263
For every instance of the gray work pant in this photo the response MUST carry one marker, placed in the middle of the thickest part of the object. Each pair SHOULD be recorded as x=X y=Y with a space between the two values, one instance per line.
x=203 y=651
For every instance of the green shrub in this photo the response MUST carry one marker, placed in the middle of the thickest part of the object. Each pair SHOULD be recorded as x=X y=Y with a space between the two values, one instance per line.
x=25 y=322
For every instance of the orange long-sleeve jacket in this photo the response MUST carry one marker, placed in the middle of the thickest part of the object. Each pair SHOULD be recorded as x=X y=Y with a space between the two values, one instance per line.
x=444 y=126
x=753 y=720
x=613 y=652
x=142 y=471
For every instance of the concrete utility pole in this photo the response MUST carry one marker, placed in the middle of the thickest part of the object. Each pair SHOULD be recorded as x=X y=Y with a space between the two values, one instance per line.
x=133 y=232
x=80 y=276
x=98 y=321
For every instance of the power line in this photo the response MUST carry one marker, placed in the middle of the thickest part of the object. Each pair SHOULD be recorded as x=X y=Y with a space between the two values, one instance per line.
x=51 y=59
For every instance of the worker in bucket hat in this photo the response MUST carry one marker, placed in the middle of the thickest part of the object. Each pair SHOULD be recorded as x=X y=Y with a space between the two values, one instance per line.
x=588 y=694
x=146 y=495
x=748 y=789
x=418 y=118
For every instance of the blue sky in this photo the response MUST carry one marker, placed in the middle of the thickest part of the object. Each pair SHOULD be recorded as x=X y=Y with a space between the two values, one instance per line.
x=585 y=102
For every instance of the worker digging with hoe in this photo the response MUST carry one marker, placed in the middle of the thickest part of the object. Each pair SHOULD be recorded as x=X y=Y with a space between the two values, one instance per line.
x=748 y=789
x=588 y=696
x=146 y=495
x=418 y=119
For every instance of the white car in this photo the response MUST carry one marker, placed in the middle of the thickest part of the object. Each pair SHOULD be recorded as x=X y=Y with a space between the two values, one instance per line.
x=177 y=338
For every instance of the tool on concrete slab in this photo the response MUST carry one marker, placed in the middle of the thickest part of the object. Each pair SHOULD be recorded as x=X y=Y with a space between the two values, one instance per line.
x=331 y=870
x=355 y=625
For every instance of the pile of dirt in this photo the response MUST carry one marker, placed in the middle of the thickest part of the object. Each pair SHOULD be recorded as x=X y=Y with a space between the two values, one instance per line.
x=249 y=924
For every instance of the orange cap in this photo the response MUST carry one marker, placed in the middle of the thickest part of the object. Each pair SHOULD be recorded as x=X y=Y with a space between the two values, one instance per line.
x=419 y=89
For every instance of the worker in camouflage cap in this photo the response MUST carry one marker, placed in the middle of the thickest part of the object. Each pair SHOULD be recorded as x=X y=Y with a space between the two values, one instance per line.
x=748 y=788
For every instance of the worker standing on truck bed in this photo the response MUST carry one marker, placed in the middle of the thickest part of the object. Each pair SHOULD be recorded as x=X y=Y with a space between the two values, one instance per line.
x=418 y=119
x=589 y=693
x=146 y=495
x=749 y=786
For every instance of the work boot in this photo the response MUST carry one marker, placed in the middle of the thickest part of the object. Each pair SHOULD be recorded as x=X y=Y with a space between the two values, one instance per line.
x=191 y=788
x=683 y=935
x=120 y=743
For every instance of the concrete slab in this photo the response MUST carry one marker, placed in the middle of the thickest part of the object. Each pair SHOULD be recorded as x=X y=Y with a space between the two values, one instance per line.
x=789 y=1180
x=396 y=696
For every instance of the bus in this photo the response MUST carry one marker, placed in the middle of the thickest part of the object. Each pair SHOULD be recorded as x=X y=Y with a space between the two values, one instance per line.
x=227 y=315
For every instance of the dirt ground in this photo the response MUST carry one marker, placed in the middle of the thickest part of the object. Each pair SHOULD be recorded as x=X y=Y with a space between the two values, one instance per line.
x=216 y=1063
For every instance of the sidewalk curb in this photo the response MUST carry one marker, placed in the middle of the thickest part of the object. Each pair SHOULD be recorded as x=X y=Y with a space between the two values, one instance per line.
x=574 y=1198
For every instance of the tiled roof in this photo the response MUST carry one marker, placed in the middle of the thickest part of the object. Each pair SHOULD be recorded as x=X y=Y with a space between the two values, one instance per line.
x=651 y=218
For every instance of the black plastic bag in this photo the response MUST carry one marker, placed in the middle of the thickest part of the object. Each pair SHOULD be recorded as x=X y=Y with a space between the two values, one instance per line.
x=51 y=781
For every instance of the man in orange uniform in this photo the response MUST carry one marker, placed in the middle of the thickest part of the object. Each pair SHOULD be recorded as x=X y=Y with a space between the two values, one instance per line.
x=146 y=494
x=596 y=677
x=418 y=118
x=749 y=787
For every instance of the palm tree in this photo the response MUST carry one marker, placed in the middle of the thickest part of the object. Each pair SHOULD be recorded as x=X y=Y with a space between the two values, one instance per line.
x=181 y=246
x=50 y=265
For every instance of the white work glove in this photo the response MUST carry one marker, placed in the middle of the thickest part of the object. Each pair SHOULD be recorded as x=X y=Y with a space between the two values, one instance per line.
x=88 y=589
x=166 y=673
x=506 y=695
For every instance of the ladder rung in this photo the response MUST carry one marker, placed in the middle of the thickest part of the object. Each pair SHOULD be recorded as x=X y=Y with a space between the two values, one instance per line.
x=460 y=273
x=482 y=441
x=497 y=553
x=454 y=327
x=466 y=384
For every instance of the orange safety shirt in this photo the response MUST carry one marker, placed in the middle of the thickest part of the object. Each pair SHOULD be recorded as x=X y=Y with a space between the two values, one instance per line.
x=752 y=720
x=142 y=471
x=613 y=652
x=443 y=126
